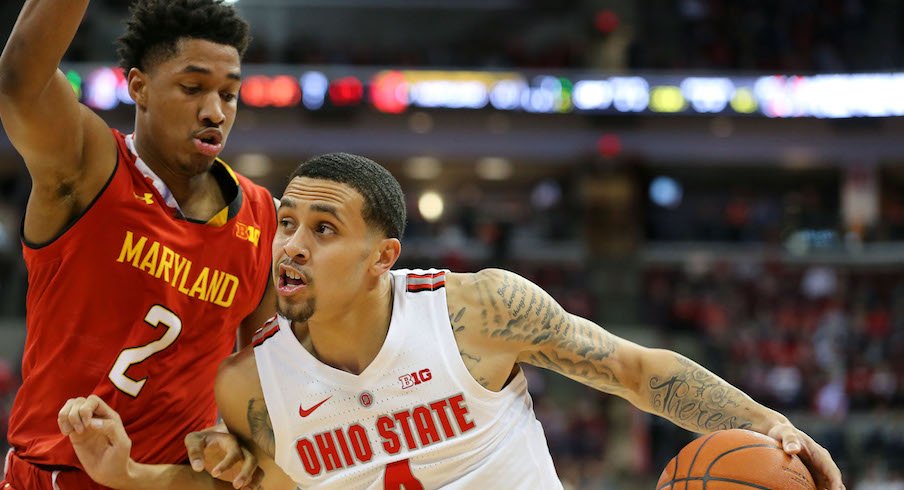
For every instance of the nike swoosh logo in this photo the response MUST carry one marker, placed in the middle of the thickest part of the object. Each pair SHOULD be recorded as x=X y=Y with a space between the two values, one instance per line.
x=305 y=413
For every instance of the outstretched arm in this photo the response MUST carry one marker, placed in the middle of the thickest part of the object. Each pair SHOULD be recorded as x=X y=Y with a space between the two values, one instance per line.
x=521 y=318
x=69 y=150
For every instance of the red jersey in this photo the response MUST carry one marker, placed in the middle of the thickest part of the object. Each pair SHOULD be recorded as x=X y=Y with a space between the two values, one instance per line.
x=138 y=306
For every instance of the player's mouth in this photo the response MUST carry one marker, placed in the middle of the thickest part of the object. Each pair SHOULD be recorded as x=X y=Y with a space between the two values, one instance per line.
x=290 y=281
x=209 y=142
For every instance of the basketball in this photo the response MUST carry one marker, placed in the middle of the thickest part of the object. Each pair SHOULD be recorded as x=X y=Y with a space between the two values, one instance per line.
x=735 y=459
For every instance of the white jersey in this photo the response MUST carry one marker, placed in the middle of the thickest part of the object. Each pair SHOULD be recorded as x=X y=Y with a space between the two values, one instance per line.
x=415 y=418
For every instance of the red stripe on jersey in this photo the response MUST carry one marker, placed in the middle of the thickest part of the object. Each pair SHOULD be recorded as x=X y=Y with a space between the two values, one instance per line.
x=426 y=287
x=268 y=330
x=426 y=276
x=426 y=282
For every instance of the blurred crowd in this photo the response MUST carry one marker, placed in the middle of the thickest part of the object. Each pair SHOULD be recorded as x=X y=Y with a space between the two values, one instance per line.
x=771 y=35
x=826 y=338
x=736 y=213
x=763 y=35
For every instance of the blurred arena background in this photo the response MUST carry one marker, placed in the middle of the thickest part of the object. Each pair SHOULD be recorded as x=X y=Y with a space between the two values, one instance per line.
x=720 y=177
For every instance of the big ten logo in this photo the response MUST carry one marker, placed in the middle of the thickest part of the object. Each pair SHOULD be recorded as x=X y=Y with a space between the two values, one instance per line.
x=416 y=378
x=247 y=232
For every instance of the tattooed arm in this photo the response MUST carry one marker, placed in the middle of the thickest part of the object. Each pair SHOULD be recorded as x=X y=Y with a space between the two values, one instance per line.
x=102 y=445
x=240 y=399
x=501 y=319
x=508 y=313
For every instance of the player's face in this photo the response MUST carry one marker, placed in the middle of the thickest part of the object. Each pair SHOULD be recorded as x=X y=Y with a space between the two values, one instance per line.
x=321 y=249
x=186 y=105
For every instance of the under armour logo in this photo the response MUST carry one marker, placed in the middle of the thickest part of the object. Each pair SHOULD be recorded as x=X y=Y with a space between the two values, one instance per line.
x=148 y=198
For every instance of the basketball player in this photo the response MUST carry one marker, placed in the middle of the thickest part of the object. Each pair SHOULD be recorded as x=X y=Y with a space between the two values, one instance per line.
x=374 y=378
x=144 y=251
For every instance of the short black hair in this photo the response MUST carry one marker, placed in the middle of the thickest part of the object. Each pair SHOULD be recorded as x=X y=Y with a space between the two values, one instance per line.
x=156 y=26
x=384 y=201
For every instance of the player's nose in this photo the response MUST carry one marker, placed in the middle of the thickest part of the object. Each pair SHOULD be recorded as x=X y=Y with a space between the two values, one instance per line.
x=212 y=109
x=296 y=246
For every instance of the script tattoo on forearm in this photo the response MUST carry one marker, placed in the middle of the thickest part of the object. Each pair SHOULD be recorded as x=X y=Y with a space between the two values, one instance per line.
x=567 y=344
x=261 y=427
x=697 y=400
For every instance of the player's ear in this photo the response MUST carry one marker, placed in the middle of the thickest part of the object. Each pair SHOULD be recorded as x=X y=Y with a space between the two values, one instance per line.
x=388 y=250
x=138 y=87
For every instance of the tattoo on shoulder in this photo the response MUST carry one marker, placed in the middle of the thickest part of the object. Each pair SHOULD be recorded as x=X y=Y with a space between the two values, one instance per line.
x=455 y=319
x=261 y=427
x=695 y=398
x=533 y=314
x=566 y=344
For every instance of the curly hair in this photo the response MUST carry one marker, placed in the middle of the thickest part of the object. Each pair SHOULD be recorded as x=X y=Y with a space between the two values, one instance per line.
x=384 y=201
x=156 y=26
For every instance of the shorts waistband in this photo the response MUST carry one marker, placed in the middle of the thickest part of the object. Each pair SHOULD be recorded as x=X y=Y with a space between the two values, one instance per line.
x=43 y=467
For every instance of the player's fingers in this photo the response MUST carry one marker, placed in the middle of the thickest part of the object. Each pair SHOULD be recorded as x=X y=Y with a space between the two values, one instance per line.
x=195 y=443
x=103 y=426
x=788 y=436
x=791 y=443
x=119 y=430
x=257 y=479
x=249 y=464
x=829 y=476
x=73 y=417
x=110 y=429
x=101 y=409
x=63 y=417
x=85 y=411
x=818 y=460
x=232 y=455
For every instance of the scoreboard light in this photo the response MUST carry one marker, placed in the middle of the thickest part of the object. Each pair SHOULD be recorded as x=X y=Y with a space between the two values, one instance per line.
x=632 y=94
x=463 y=89
x=346 y=91
x=506 y=94
x=75 y=80
x=593 y=95
x=265 y=91
x=102 y=89
x=389 y=92
x=314 y=87
x=668 y=99
x=743 y=101
x=708 y=95
x=284 y=91
x=394 y=91
x=254 y=91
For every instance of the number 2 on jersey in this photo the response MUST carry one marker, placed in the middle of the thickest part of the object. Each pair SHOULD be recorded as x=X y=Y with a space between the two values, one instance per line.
x=156 y=315
x=399 y=477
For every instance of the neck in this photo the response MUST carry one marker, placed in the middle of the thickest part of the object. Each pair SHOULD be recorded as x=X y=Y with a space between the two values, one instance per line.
x=185 y=186
x=352 y=339
x=198 y=194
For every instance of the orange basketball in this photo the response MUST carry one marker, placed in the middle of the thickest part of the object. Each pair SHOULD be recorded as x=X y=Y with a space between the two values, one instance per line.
x=735 y=460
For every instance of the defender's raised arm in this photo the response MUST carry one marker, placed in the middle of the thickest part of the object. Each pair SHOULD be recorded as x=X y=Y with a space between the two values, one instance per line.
x=68 y=149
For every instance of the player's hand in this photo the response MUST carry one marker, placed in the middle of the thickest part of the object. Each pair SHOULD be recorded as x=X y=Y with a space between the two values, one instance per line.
x=99 y=439
x=794 y=441
x=220 y=453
